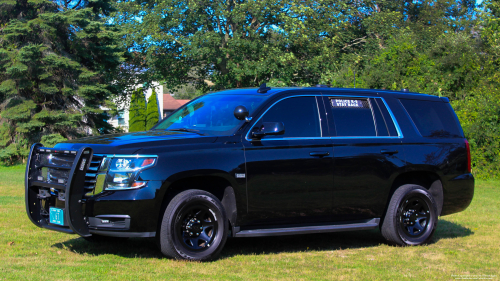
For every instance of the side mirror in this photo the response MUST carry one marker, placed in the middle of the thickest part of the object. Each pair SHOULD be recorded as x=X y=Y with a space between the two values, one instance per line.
x=241 y=112
x=269 y=129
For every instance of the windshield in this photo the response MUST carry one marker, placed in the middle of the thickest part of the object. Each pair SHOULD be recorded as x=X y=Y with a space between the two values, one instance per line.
x=210 y=115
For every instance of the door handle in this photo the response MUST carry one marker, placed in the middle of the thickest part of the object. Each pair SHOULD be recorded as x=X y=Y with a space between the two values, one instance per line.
x=390 y=152
x=319 y=153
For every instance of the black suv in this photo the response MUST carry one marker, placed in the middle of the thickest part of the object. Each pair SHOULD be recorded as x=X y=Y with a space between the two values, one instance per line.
x=261 y=162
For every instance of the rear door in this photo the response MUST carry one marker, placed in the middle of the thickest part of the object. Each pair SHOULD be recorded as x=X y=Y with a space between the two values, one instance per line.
x=368 y=155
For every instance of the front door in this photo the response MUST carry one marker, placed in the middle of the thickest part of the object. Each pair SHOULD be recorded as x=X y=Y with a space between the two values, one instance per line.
x=289 y=177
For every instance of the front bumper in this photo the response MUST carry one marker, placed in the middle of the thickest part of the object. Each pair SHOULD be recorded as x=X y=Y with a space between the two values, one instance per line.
x=124 y=213
x=124 y=210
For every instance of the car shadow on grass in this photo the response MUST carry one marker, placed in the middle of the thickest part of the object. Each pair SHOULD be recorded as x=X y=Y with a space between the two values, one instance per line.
x=327 y=241
x=447 y=229
x=146 y=247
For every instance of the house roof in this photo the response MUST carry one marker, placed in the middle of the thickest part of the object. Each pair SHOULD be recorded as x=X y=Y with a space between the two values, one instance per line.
x=183 y=102
x=169 y=103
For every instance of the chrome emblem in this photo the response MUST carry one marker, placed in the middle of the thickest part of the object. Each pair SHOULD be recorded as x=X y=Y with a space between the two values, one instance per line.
x=84 y=161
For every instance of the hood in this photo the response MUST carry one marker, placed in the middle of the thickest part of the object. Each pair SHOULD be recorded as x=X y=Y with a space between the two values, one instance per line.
x=129 y=143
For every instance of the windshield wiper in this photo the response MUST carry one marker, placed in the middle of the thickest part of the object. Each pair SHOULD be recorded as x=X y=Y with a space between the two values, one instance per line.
x=187 y=130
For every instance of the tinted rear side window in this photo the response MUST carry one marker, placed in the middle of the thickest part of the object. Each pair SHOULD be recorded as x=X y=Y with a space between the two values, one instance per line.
x=382 y=130
x=433 y=119
x=387 y=117
x=353 y=117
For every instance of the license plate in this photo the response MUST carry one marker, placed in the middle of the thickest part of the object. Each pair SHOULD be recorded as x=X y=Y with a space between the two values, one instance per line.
x=56 y=216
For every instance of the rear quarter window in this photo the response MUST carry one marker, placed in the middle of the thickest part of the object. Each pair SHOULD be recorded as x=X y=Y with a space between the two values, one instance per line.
x=433 y=119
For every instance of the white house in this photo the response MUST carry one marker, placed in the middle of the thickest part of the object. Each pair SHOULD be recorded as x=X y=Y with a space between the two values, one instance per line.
x=166 y=105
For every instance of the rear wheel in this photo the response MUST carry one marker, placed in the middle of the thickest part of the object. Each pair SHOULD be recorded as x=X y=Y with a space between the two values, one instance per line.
x=411 y=217
x=194 y=227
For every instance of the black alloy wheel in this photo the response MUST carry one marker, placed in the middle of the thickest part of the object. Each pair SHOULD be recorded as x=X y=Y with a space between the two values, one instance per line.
x=194 y=227
x=411 y=216
x=414 y=215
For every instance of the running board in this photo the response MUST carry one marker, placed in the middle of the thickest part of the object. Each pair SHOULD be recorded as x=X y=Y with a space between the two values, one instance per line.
x=371 y=224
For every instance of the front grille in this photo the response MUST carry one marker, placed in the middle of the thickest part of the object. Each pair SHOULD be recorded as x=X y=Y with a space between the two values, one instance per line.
x=91 y=175
x=55 y=167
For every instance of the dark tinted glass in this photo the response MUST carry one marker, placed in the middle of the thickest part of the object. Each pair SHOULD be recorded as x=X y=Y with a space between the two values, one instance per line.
x=433 y=119
x=352 y=117
x=382 y=130
x=299 y=115
x=387 y=118
x=210 y=114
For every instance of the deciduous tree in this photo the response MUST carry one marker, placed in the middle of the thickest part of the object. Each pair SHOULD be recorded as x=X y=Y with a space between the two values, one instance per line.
x=237 y=43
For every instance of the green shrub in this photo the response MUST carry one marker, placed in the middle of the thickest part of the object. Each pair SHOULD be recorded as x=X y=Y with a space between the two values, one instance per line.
x=152 y=111
x=137 y=112
x=479 y=116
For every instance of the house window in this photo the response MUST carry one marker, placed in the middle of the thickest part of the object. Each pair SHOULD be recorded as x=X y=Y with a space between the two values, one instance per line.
x=167 y=113
x=121 y=119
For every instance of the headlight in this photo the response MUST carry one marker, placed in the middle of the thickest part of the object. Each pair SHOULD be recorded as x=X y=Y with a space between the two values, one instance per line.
x=123 y=171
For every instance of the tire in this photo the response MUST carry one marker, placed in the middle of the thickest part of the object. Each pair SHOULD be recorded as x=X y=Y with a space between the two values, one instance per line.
x=194 y=227
x=411 y=217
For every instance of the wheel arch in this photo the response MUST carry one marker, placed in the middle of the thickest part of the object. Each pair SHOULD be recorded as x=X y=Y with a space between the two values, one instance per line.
x=428 y=179
x=216 y=182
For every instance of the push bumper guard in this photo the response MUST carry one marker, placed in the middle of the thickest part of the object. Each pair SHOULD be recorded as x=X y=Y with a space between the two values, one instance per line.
x=55 y=179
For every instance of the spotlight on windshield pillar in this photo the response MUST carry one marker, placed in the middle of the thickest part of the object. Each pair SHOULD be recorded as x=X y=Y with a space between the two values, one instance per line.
x=241 y=112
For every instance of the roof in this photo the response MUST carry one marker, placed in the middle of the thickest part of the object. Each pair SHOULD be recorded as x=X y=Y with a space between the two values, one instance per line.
x=169 y=103
x=252 y=91
x=329 y=91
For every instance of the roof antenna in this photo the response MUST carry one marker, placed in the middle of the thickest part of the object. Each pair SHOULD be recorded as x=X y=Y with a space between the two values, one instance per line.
x=354 y=71
x=263 y=89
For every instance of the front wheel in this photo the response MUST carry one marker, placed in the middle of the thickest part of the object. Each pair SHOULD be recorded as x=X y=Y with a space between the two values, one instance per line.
x=411 y=217
x=194 y=227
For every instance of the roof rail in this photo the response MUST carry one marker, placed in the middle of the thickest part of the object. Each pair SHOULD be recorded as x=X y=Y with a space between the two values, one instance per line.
x=321 y=86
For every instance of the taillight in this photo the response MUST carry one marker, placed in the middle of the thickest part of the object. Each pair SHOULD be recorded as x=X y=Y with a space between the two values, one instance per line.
x=469 y=168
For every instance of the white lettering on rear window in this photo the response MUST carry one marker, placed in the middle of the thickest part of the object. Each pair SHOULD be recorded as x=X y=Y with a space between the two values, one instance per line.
x=348 y=103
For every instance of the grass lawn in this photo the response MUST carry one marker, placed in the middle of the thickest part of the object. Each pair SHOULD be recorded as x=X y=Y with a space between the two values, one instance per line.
x=467 y=243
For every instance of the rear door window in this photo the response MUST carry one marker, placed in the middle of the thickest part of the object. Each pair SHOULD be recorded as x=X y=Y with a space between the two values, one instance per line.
x=433 y=119
x=388 y=122
x=352 y=117
x=361 y=117
x=380 y=124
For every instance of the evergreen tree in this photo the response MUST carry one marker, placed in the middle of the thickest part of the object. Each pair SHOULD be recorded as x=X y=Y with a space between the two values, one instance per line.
x=131 y=113
x=58 y=64
x=152 y=111
x=137 y=112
